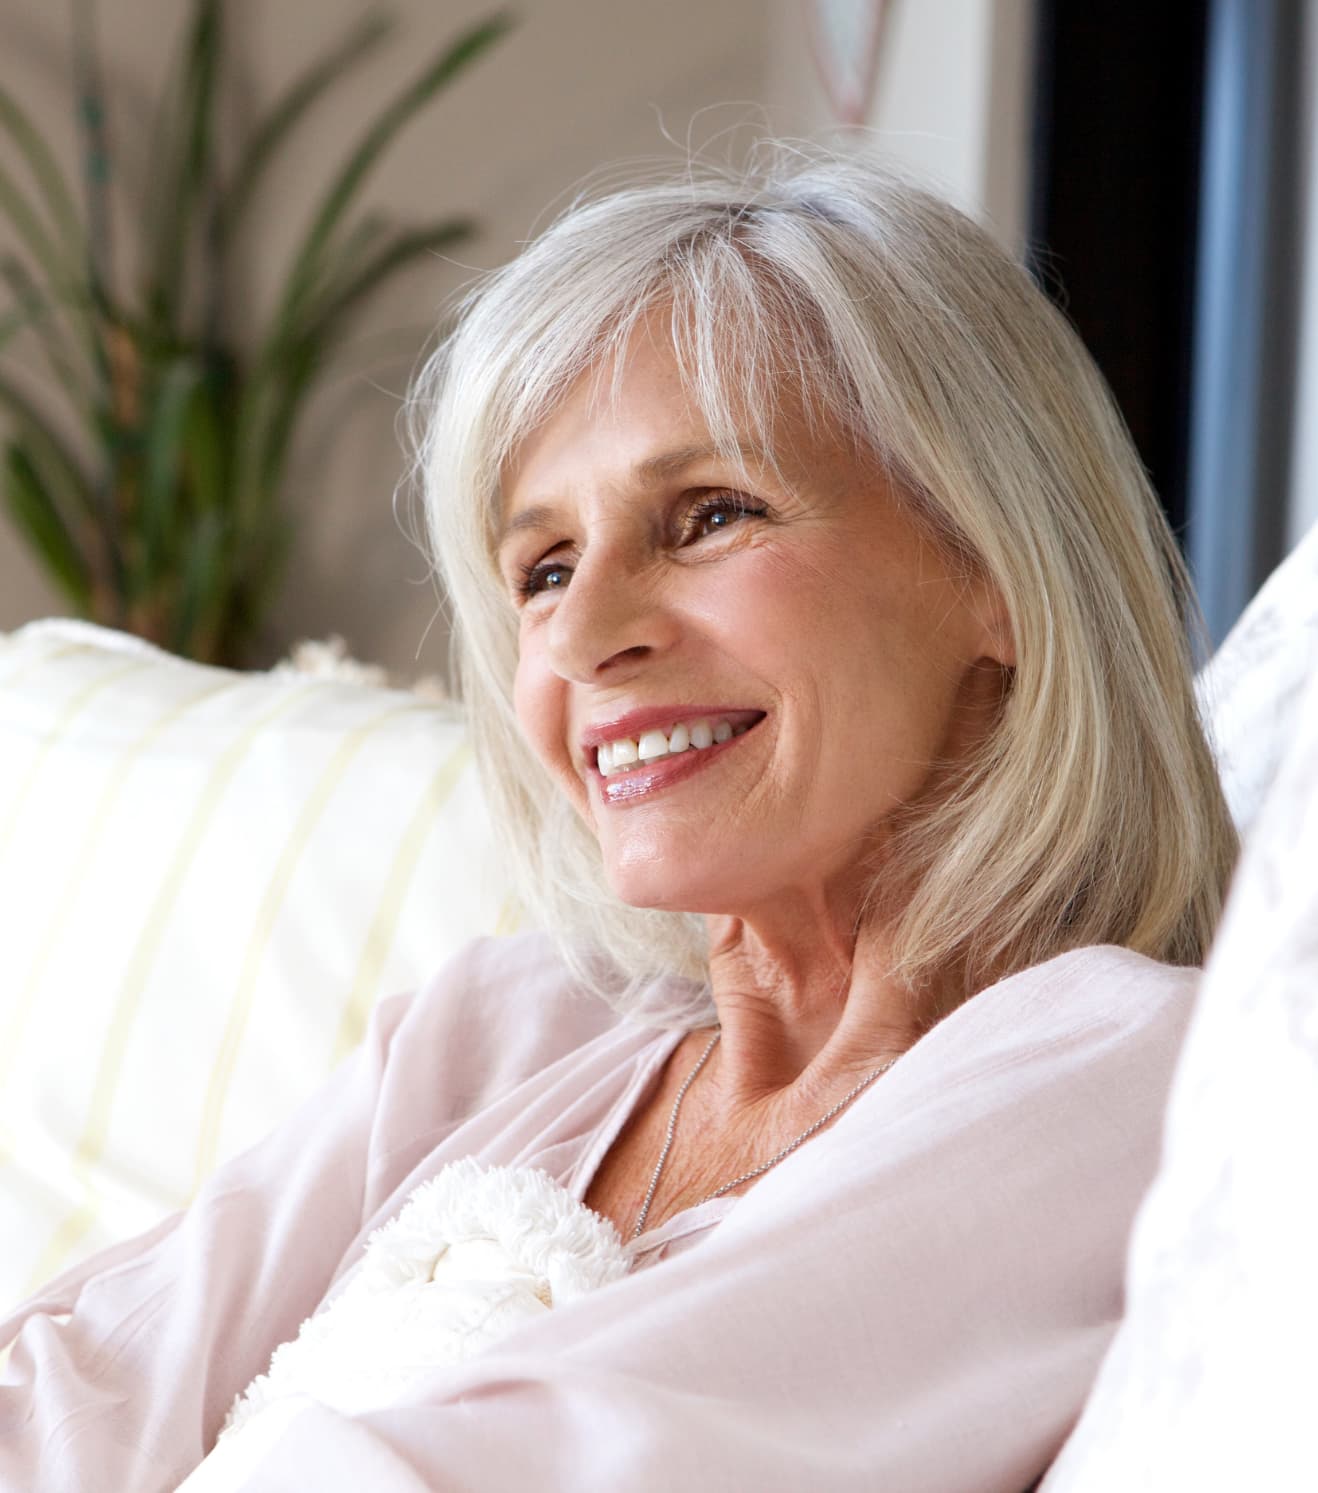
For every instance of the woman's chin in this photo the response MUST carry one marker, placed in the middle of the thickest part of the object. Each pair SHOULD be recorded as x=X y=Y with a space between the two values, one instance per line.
x=698 y=871
x=652 y=899
x=658 y=889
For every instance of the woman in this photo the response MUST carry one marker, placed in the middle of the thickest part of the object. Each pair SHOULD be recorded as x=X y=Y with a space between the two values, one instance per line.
x=824 y=648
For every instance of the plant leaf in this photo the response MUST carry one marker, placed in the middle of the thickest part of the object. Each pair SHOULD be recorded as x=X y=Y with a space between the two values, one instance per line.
x=338 y=262
x=50 y=448
x=45 y=172
x=186 y=178
x=295 y=362
x=27 y=224
x=300 y=97
x=405 y=246
x=42 y=313
x=441 y=71
x=266 y=568
x=162 y=513
x=35 y=514
x=273 y=385
x=93 y=137
x=63 y=285
x=13 y=323
x=208 y=440
x=204 y=583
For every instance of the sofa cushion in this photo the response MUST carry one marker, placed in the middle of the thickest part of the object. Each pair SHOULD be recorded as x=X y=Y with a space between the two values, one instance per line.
x=208 y=879
x=1250 y=692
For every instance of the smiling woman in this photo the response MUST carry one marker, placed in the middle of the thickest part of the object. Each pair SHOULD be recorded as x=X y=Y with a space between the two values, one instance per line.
x=797 y=537
x=912 y=456
x=784 y=621
x=825 y=652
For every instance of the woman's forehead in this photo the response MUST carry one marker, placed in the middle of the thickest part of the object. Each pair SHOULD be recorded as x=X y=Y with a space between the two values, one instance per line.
x=646 y=399
x=642 y=435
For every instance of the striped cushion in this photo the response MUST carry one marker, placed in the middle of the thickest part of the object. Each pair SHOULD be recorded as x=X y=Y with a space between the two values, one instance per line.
x=207 y=880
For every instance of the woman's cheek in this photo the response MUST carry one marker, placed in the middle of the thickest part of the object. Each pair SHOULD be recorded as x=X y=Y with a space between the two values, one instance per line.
x=532 y=702
x=540 y=700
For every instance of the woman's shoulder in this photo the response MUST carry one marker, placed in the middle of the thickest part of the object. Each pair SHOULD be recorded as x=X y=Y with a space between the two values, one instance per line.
x=494 y=1014
x=1105 y=984
x=1106 y=976
x=1094 y=1009
x=509 y=992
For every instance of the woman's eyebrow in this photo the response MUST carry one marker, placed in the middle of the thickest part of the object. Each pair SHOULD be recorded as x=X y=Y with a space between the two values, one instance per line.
x=647 y=473
x=669 y=463
x=538 y=516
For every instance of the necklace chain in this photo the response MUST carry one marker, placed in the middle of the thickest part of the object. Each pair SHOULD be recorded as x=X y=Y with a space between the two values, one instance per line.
x=755 y=1171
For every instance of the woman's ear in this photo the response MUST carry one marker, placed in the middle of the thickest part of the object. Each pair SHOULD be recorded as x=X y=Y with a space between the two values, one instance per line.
x=998 y=639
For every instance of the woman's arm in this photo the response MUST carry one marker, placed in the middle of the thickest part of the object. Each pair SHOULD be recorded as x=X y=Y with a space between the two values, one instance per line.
x=122 y=1370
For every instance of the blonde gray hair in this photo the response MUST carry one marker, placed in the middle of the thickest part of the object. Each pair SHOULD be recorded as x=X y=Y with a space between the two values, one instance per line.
x=1092 y=813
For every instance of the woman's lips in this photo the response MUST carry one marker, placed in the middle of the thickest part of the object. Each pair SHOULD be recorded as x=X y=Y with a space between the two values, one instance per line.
x=648 y=778
x=635 y=723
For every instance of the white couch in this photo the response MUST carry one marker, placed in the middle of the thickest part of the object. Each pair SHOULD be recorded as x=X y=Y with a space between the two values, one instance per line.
x=207 y=879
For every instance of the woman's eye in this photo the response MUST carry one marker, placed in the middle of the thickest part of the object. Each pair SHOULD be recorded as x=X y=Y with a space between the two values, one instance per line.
x=713 y=515
x=544 y=575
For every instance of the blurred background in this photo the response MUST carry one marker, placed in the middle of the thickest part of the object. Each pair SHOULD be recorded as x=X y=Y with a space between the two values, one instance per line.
x=229 y=230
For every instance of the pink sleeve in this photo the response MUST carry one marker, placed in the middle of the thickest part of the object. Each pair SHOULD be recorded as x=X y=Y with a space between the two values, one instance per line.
x=122 y=1370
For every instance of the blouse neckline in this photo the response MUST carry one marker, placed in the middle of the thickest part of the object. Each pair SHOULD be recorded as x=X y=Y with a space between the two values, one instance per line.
x=689 y=1220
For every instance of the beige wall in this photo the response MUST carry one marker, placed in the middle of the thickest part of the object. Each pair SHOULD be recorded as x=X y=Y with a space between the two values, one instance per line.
x=580 y=84
x=951 y=98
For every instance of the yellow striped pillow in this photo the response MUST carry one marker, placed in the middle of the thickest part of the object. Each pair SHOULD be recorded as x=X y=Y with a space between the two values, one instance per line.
x=207 y=880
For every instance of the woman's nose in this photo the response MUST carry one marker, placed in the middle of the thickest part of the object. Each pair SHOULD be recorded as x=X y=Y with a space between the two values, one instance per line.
x=609 y=616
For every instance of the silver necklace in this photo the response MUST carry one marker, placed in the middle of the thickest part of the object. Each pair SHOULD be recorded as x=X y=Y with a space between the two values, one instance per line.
x=755 y=1171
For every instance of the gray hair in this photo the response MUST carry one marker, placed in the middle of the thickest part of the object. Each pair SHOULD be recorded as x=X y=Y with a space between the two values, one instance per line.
x=1092 y=813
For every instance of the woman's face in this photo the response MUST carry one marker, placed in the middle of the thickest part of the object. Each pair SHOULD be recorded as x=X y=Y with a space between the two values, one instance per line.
x=804 y=622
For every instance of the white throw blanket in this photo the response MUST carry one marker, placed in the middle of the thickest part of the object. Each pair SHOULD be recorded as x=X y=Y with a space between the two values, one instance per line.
x=475 y=1252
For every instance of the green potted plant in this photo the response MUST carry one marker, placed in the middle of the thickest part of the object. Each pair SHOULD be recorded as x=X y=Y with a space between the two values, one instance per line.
x=153 y=497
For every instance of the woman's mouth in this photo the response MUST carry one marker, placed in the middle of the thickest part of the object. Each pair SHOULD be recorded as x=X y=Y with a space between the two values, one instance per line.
x=630 y=766
x=630 y=752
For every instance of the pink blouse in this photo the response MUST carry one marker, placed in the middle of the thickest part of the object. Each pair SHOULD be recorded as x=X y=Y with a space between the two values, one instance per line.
x=917 y=1299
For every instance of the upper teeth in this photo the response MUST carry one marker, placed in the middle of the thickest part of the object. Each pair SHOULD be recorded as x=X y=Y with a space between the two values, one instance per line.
x=616 y=756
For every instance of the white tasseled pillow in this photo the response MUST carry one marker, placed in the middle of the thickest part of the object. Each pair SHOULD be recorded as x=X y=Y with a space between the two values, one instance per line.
x=207 y=880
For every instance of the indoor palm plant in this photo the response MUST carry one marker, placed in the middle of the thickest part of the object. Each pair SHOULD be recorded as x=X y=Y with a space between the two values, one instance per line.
x=146 y=470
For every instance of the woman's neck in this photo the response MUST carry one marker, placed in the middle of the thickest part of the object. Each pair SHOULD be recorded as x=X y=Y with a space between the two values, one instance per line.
x=808 y=1009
